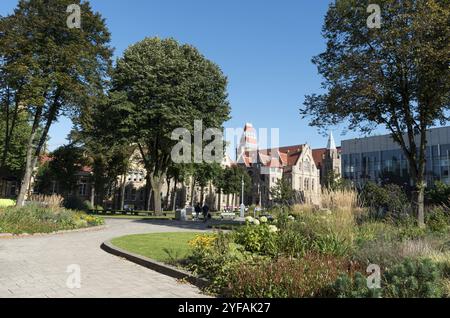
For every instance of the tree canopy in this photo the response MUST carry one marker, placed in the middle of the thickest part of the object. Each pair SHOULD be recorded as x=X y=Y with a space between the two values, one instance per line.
x=51 y=69
x=158 y=86
x=396 y=76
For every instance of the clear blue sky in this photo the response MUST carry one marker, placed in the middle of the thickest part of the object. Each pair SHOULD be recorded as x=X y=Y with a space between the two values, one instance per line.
x=264 y=47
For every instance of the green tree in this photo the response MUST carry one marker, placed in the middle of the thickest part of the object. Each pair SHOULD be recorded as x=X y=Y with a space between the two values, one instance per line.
x=232 y=181
x=205 y=173
x=282 y=193
x=396 y=76
x=160 y=85
x=50 y=68
x=65 y=164
x=109 y=150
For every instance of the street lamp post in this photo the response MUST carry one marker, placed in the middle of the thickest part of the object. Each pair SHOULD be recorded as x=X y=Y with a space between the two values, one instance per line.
x=242 y=200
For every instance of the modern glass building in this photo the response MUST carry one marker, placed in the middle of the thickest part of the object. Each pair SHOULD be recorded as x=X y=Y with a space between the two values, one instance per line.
x=379 y=157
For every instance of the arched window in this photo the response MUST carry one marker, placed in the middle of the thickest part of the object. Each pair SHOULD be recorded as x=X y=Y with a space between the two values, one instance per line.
x=306 y=184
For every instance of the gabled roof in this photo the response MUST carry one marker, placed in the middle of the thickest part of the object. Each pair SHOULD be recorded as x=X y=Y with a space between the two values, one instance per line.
x=318 y=155
x=293 y=158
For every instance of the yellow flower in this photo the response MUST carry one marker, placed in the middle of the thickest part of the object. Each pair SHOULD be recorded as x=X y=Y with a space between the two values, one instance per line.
x=202 y=241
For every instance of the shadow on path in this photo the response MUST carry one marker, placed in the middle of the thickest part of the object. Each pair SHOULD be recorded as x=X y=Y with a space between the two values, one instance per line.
x=189 y=225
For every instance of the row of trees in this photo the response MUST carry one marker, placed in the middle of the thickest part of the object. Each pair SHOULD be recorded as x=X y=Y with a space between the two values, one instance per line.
x=67 y=161
x=49 y=70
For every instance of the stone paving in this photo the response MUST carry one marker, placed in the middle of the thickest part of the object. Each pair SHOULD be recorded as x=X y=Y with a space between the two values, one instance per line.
x=37 y=266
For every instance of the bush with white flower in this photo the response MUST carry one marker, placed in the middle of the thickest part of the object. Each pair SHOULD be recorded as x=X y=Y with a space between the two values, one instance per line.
x=273 y=229
x=258 y=236
x=249 y=219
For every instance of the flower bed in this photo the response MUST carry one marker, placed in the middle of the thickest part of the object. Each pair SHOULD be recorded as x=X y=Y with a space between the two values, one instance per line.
x=326 y=253
x=33 y=219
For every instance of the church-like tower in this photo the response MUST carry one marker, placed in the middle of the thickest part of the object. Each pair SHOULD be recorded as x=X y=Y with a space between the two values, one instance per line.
x=332 y=158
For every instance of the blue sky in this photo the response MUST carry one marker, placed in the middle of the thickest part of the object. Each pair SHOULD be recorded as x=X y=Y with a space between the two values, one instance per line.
x=264 y=47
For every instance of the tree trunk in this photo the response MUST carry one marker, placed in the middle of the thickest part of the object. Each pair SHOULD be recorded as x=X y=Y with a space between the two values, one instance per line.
x=167 y=203
x=122 y=193
x=93 y=197
x=192 y=191
x=174 y=195
x=157 y=183
x=219 y=203
x=419 y=205
x=28 y=171
x=32 y=159
x=417 y=174
x=148 y=192
x=202 y=195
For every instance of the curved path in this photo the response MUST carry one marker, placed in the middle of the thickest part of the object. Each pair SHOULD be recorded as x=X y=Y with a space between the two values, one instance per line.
x=37 y=266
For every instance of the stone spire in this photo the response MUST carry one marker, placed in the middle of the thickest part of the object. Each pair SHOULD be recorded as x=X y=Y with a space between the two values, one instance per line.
x=331 y=144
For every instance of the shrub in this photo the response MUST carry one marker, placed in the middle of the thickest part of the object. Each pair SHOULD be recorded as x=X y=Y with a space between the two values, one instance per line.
x=35 y=218
x=439 y=194
x=383 y=253
x=389 y=201
x=409 y=279
x=291 y=242
x=413 y=279
x=324 y=231
x=437 y=219
x=260 y=239
x=53 y=201
x=376 y=231
x=285 y=278
x=217 y=260
x=75 y=203
x=352 y=286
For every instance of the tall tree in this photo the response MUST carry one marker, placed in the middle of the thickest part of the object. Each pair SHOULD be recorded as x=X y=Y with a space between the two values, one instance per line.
x=164 y=86
x=178 y=172
x=51 y=68
x=203 y=174
x=396 y=76
x=109 y=156
x=232 y=181
x=282 y=193
x=65 y=164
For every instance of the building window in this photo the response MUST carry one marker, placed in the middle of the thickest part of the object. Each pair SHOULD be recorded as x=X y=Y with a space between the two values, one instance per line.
x=82 y=189
x=13 y=189
x=312 y=184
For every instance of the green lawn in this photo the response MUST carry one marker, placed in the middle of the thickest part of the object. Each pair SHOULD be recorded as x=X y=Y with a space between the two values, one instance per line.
x=4 y=203
x=162 y=247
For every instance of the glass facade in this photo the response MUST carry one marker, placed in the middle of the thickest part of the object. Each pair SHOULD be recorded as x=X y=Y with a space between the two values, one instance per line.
x=362 y=161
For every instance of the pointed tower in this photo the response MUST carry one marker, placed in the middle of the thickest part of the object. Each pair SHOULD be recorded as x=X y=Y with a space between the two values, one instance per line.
x=331 y=143
x=248 y=143
x=332 y=160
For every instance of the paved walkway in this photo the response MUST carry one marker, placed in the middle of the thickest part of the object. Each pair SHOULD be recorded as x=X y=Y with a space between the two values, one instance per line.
x=36 y=266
